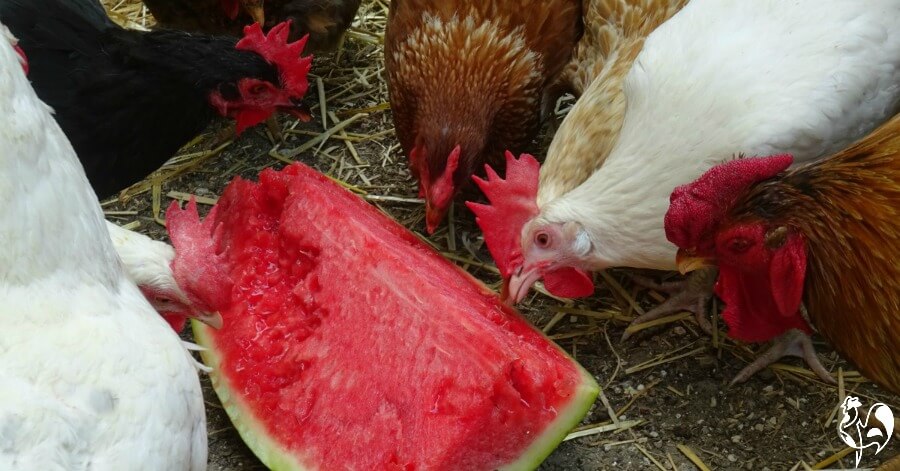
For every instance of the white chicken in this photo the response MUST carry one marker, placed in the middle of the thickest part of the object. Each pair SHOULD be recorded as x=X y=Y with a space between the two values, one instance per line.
x=719 y=79
x=148 y=263
x=91 y=378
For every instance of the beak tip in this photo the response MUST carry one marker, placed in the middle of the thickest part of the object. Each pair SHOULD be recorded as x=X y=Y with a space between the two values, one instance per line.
x=213 y=320
x=688 y=265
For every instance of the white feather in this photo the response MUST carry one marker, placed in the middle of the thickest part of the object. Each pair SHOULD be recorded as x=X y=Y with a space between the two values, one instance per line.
x=724 y=77
x=91 y=378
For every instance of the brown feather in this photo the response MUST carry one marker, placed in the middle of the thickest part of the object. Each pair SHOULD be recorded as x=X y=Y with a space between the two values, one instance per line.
x=478 y=79
x=324 y=20
x=614 y=35
x=848 y=208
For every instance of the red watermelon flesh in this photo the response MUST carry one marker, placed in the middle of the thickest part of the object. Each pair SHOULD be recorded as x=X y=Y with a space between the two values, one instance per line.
x=351 y=344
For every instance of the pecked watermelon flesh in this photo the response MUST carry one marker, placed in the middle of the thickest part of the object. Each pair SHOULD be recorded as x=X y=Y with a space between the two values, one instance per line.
x=351 y=344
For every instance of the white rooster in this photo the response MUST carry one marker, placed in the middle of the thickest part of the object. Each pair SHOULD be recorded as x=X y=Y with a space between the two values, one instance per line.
x=91 y=378
x=719 y=79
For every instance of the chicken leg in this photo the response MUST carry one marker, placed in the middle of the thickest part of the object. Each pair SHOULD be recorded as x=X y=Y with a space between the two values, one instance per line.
x=791 y=343
x=692 y=294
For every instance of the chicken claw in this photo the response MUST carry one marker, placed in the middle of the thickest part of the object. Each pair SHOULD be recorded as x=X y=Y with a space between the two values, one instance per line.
x=791 y=343
x=692 y=294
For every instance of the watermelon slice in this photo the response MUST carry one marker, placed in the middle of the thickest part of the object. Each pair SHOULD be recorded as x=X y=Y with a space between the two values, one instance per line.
x=351 y=344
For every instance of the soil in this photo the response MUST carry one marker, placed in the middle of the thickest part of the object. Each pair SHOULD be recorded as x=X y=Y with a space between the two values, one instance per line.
x=781 y=419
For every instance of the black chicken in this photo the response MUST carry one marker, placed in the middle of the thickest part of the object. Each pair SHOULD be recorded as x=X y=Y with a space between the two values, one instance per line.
x=128 y=100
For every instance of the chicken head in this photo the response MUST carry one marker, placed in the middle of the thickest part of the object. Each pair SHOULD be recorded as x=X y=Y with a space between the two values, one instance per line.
x=148 y=264
x=439 y=190
x=254 y=100
x=198 y=268
x=761 y=267
x=505 y=220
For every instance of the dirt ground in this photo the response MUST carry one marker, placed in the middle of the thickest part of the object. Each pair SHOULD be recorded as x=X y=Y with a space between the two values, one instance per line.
x=669 y=383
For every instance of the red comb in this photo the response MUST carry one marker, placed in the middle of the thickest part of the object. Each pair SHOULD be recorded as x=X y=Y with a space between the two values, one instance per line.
x=22 y=58
x=513 y=204
x=197 y=268
x=696 y=209
x=276 y=50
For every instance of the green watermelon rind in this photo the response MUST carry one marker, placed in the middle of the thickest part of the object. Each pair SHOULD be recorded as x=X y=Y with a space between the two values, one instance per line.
x=277 y=458
x=251 y=430
x=585 y=395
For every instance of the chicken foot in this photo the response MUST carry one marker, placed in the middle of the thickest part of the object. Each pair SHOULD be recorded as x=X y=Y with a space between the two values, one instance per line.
x=791 y=343
x=692 y=295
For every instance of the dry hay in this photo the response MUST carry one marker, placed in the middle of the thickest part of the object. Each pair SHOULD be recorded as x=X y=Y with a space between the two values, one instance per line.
x=352 y=140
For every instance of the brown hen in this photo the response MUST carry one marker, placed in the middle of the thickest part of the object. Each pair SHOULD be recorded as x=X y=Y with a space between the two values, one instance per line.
x=467 y=81
x=827 y=231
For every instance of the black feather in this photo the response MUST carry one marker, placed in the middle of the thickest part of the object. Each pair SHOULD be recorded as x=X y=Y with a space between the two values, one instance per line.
x=127 y=100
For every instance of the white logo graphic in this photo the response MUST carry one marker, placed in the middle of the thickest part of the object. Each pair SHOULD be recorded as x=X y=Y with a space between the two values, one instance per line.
x=860 y=434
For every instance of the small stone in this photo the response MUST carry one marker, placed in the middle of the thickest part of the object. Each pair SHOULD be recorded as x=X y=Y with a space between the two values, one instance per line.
x=679 y=330
x=654 y=434
x=732 y=458
x=736 y=439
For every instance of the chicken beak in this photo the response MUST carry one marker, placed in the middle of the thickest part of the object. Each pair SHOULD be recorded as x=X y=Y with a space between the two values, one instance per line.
x=433 y=217
x=300 y=111
x=516 y=288
x=688 y=261
x=257 y=13
x=212 y=319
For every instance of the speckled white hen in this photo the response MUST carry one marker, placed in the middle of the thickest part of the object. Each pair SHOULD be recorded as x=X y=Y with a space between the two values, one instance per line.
x=91 y=377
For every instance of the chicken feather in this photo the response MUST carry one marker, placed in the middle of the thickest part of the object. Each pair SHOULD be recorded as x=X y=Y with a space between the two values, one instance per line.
x=91 y=377
x=473 y=76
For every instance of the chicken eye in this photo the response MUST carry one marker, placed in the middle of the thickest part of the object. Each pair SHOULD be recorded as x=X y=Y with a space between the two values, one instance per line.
x=542 y=239
x=739 y=245
x=258 y=89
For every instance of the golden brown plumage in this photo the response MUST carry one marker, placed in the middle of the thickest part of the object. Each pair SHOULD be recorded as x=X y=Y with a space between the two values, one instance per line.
x=615 y=31
x=848 y=209
x=473 y=75
x=324 y=20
